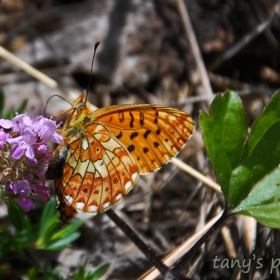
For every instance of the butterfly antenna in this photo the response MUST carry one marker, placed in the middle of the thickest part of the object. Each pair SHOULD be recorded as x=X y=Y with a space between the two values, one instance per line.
x=51 y=98
x=90 y=77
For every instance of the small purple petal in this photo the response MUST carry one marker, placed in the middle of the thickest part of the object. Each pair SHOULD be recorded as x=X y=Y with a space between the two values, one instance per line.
x=3 y=138
x=17 y=140
x=17 y=151
x=29 y=177
x=9 y=187
x=56 y=138
x=29 y=152
x=25 y=203
x=44 y=193
x=44 y=127
x=6 y=123
x=26 y=120
x=20 y=123
x=22 y=187
x=29 y=136
x=42 y=148
x=32 y=161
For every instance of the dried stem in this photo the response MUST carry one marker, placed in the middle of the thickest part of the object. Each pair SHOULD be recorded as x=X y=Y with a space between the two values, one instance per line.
x=194 y=48
x=148 y=251
x=176 y=268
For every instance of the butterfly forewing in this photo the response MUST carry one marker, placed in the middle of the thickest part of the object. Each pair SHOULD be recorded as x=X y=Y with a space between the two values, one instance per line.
x=152 y=134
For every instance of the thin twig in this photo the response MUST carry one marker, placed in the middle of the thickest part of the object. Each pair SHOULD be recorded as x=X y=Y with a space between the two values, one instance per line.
x=181 y=250
x=37 y=74
x=195 y=50
x=240 y=88
x=187 y=257
x=245 y=40
x=146 y=250
x=210 y=183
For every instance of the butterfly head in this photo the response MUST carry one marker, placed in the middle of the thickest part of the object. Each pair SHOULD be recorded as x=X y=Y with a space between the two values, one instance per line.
x=79 y=113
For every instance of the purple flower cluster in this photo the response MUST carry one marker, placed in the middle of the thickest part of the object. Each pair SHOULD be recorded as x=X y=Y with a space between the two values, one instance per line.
x=24 y=157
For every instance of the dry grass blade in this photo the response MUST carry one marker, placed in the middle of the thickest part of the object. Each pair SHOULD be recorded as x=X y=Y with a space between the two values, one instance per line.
x=180 y=251
x=195 y=50
x=37 y=74
x=180 y=164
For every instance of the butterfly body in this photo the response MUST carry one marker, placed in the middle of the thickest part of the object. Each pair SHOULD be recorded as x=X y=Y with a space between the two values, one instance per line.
x=104 y=152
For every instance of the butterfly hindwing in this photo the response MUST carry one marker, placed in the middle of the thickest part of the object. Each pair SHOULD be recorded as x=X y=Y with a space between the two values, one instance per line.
x=98 y=172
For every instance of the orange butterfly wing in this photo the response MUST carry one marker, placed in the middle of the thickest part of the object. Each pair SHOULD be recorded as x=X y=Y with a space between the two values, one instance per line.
x=152 y=134
x=104 y=152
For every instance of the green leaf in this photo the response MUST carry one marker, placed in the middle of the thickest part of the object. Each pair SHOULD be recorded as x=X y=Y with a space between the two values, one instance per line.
x=47 y=216
x=80 y=274
x=5 y=248
x=95 y=275
x=99 y=272
x=16 y=215
x=261 y=155
x=61 y=243
x=47 y=236
x=67 y=230
x=224 y=134
x=249 y=175
x=263 y=202
x=22 y=107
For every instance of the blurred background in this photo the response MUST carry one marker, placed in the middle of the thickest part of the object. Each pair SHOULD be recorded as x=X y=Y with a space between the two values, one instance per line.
x=145 y=56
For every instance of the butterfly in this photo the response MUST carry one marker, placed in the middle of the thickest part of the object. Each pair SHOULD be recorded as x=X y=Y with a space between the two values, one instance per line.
x=103 y=152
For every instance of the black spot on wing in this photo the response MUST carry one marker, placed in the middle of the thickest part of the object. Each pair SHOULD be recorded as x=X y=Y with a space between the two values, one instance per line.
x=146 y=134
x=156 y=144
x=131 y=124
x=119 y=135
x=145 y=150
x=158 y=131
x=133 y=135
x=131 y=148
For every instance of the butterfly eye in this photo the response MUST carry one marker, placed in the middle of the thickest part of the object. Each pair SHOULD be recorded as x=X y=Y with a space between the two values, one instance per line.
x=80 y=105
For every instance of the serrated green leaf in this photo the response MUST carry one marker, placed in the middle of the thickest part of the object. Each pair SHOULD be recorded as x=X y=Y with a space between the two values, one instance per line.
x=261 y=154
x=263 y=202
x=16 y=215
x=224 y=133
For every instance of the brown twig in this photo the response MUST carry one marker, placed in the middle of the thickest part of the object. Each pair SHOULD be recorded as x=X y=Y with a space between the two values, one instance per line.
x=232 y=51
x=195 y=51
